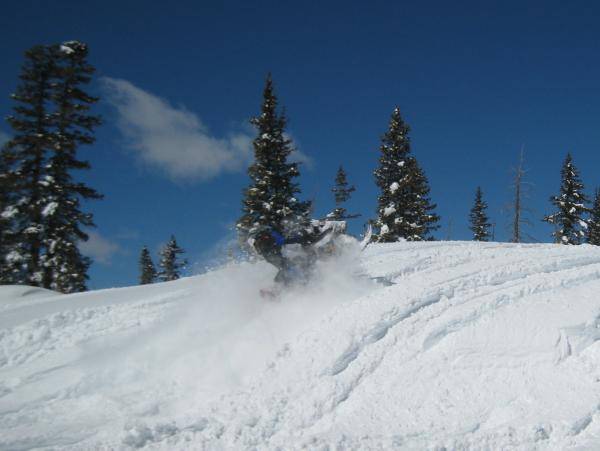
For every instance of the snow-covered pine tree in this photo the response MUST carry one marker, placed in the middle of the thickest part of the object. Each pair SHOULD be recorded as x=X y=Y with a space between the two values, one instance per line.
x=593 y=236
x=32 y=141
x=571 y=207
x=404 y=208
x=147 y=269
x=480 y=225
x=65 y=268
x=7 y=213
x=170 y=264
x=271 y=199
x=425 y=220
x=341 y=193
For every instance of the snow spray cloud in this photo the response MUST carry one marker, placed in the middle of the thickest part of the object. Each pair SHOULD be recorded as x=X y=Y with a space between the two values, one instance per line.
x=238 y=332
x=173 y=139
x=222 y=333
x=100 y=248
x=223 y=252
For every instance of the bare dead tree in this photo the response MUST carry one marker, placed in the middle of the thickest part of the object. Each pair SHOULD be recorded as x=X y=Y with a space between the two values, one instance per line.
x=519 y=172
x=518 y=210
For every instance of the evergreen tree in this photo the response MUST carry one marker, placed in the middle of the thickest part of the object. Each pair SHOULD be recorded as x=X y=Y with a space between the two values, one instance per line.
x=404 y=208
x=593 y=236
x=425 y=221
x=170 y=265
x=271 y=199
x=49 y=123
x=7 y=213
x=27 y=152
x=147 y=269
x=478 y=218
x=571 y=206
x=65 y=268
x=341 y=192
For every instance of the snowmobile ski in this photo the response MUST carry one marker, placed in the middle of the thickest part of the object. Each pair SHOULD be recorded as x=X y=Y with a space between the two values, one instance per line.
x=367 y=238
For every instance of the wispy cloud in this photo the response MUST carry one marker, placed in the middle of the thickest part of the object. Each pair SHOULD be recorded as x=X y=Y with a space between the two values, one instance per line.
x=99 y=248
x=297 y=155
x=172 y=138
x=128 y=234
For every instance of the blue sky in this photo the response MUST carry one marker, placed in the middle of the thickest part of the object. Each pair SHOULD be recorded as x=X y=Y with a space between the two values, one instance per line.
x=474 y=80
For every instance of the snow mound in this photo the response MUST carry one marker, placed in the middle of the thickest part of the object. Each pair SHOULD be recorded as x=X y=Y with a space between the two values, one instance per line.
x=442 y=345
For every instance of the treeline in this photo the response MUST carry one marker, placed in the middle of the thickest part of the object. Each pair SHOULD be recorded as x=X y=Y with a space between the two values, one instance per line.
x=576 y=220
x=404 y=211
x=404 y=208
x=42 y=215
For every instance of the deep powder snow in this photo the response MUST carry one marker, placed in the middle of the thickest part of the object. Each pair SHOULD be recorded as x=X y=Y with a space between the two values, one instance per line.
x=474 y=346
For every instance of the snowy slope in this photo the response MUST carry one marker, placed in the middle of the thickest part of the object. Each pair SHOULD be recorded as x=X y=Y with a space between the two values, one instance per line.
x=475 y=346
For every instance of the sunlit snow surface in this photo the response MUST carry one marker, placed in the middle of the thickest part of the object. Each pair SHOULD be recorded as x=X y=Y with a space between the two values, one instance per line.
x=475 y=346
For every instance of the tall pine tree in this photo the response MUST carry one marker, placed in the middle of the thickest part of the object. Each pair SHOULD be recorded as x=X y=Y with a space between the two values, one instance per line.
x=404 y=208
x=571 y=207
x=65 y=268
x=593 y=236
x=271 y=199
x=27 y=153
x=341 y=192
x=50 y=122
x=170 y=263
x=480 y=225
x=74 y=127
x=147 y=269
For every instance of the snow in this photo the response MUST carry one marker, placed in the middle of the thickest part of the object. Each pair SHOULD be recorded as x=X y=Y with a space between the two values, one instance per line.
x=32 y=229
x=13 y=257
x=474 y=346
x=9 y=212
x=394 y=187
x=66 y=49
x=50 y=209
x=389 y=210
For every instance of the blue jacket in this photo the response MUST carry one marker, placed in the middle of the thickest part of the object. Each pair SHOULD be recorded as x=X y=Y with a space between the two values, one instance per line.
x=279 y=239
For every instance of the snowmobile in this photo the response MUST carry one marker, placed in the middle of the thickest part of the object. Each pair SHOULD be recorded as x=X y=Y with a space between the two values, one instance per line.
x=295 y=255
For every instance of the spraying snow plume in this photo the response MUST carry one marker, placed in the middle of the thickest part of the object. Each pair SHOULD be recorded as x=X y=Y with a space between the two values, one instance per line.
x=187 y=342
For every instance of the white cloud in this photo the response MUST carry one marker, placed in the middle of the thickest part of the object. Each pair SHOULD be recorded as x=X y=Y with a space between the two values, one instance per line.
x=297 y=155
x=300 y=157
x=172 y=138
x=99 y=248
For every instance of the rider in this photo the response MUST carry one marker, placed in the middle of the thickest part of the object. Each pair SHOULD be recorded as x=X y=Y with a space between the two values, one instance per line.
x=268 y=242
